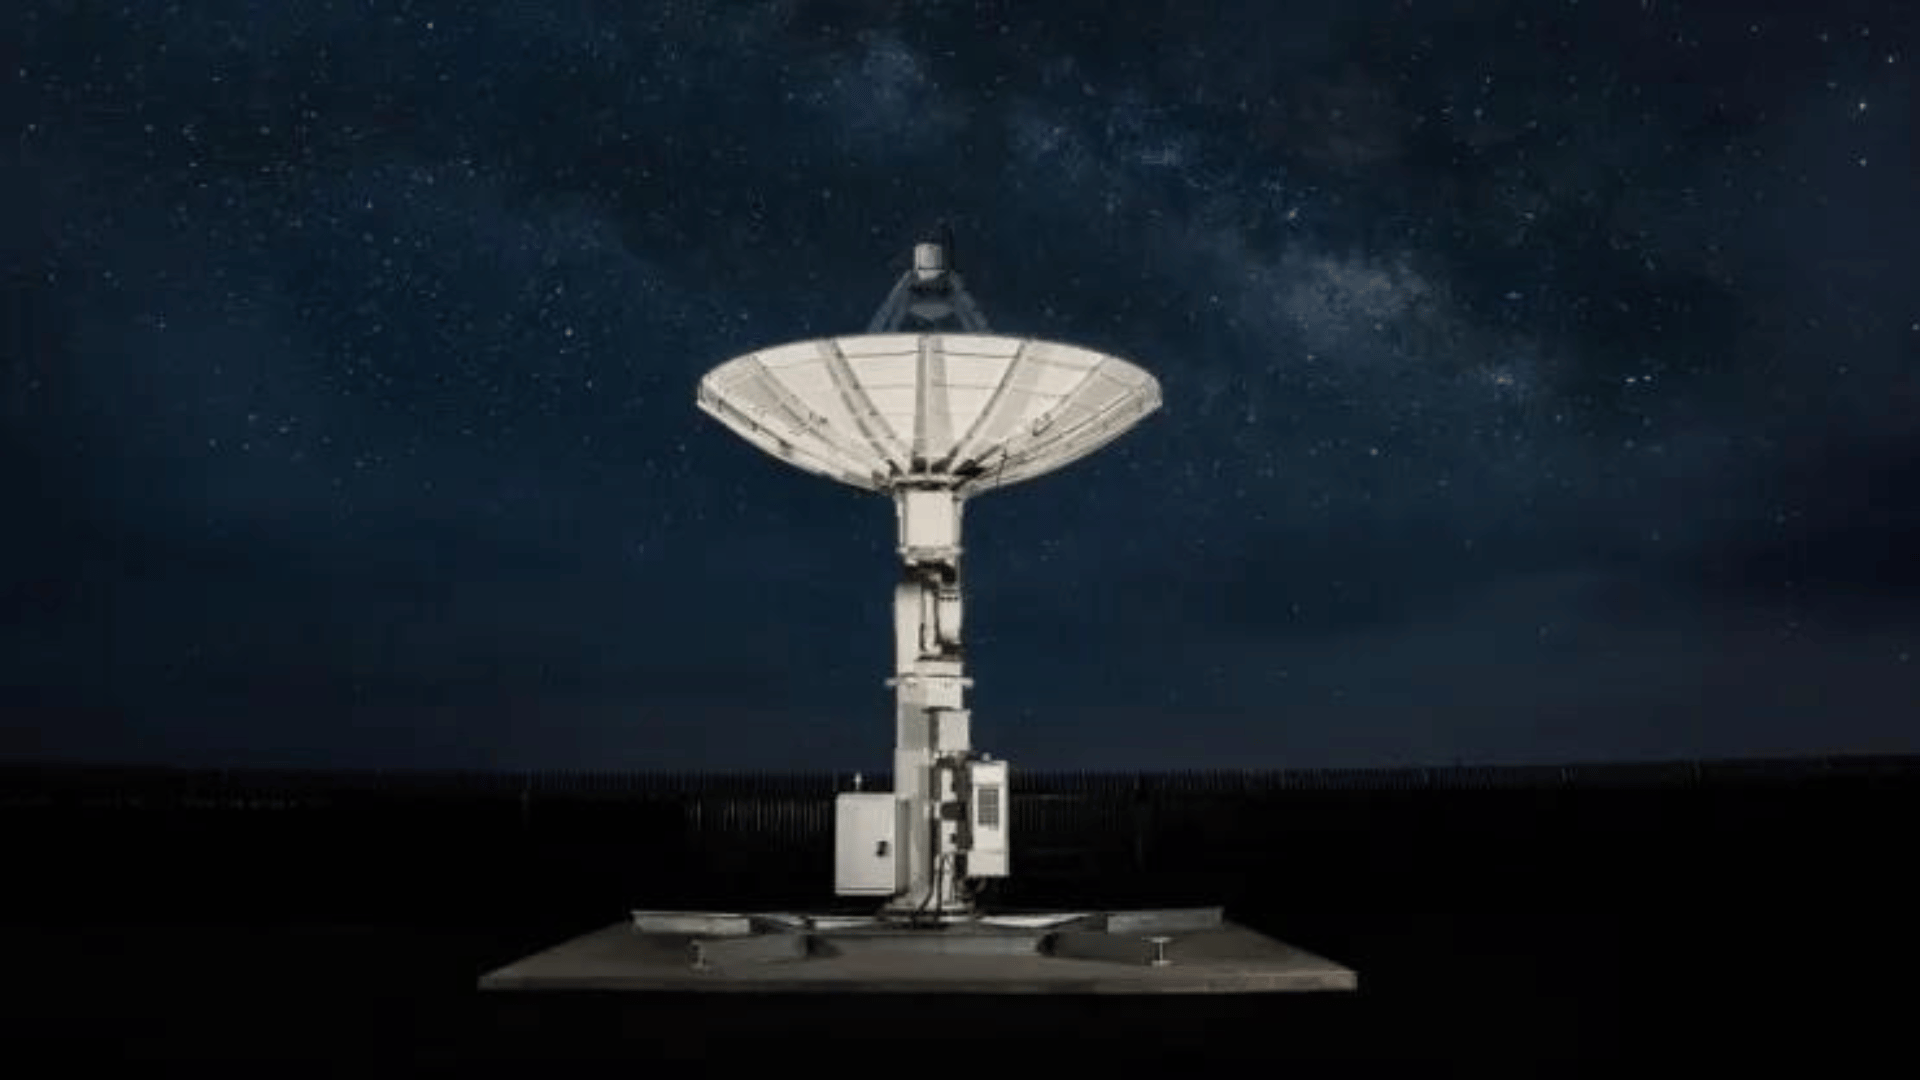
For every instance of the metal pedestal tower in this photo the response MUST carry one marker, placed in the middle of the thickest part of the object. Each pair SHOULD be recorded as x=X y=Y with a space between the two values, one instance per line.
x=930 y=408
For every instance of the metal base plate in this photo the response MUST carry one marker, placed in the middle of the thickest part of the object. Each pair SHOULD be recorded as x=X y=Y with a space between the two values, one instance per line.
x=1188 y=951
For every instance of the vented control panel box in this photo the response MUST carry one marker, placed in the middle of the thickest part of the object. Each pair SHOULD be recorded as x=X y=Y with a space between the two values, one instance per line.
x=990 y=811
x=866 y=844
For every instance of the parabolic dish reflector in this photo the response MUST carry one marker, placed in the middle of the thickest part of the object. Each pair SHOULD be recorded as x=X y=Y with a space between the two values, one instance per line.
x=969 y=412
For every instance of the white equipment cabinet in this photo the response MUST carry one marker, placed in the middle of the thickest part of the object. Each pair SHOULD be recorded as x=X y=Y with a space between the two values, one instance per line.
x=987 y=856
x=866 y=844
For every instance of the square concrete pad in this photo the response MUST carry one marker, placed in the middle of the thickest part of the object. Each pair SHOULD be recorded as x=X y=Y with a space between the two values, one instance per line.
x=1226 y=959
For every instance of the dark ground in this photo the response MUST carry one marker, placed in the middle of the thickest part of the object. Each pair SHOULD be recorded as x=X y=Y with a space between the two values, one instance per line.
x=330 y=930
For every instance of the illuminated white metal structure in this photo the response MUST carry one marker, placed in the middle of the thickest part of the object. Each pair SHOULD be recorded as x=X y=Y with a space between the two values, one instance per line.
x=929 y=407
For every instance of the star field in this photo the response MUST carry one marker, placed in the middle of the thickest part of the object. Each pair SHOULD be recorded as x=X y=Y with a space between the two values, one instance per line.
x=1542 y=383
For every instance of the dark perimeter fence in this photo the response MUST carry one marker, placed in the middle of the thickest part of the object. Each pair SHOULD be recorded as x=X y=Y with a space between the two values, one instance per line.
x=451 y=845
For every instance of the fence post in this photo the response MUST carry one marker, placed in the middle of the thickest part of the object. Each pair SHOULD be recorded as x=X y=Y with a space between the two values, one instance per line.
x=526 y=804
x=1141 y=810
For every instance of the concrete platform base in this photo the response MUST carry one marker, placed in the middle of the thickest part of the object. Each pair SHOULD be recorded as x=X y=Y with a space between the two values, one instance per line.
x=1183 y=951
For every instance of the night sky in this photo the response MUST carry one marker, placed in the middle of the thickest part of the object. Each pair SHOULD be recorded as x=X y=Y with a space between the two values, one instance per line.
x=1542 y=384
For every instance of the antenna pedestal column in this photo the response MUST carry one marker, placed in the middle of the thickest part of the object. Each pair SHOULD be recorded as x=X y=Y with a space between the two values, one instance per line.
x=932 y=744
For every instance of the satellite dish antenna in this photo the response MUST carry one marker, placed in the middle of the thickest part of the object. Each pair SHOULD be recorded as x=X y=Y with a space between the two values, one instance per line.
x=929 y=407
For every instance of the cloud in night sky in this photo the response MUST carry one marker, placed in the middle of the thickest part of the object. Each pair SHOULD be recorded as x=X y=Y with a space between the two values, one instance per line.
x=1541 y=383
